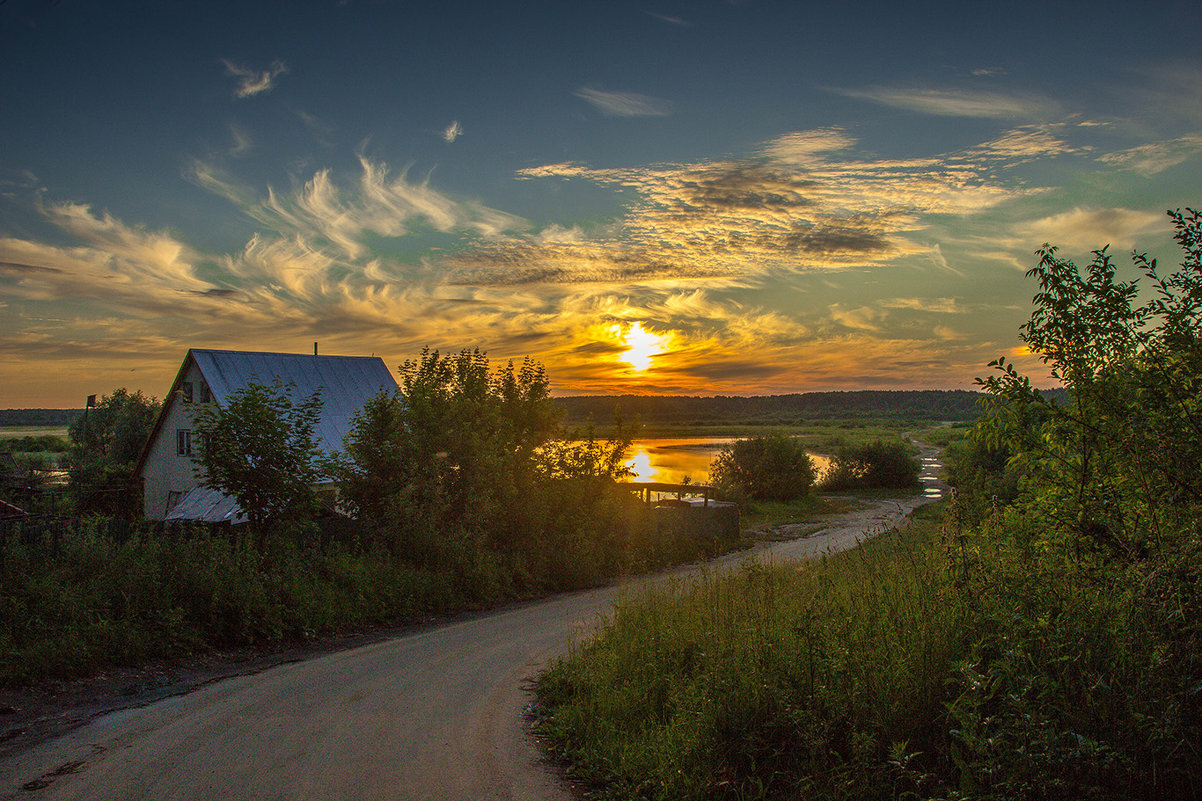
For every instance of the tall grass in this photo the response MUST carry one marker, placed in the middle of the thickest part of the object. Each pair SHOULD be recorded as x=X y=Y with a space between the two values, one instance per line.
x=768 y=682
x=99 y=602
x=932 y=663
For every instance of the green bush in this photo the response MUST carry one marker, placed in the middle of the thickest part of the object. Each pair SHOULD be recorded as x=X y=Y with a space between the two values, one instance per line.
x=105 y=444
x=879 y=465
x=773 y=468
x=467 y=470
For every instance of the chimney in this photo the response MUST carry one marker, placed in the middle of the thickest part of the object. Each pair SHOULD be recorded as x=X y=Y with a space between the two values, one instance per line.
x=314 y=348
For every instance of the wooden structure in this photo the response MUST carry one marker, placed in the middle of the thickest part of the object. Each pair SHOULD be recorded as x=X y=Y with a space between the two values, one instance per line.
x=645 y=488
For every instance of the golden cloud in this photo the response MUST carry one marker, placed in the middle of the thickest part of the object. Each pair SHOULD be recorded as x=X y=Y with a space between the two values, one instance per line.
x=698 y=240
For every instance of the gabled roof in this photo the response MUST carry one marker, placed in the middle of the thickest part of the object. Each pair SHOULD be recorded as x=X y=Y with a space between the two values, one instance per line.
x=346 y=383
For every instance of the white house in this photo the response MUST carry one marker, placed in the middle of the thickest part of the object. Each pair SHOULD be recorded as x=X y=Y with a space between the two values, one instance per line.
x=171 y=487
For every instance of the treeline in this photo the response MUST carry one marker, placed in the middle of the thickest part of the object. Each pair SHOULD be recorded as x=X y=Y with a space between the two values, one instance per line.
x=918 y=405
x=39 y=417
x=42 y=443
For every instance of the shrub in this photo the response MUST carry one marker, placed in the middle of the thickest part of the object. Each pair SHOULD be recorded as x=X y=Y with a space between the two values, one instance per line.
x=773 y=468
x=880 y=465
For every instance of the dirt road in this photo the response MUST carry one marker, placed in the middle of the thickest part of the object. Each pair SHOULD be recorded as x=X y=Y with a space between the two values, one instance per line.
x=436 y=714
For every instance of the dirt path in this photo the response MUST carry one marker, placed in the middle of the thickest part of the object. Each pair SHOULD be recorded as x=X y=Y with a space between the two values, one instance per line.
x=433 y=714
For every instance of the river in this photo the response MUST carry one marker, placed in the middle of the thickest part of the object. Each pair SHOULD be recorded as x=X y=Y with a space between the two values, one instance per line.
x=670 y=460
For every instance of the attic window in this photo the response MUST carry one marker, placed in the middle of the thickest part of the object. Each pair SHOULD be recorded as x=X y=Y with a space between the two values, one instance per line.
x=205 y=395
x=185 y=391
x=183 y=442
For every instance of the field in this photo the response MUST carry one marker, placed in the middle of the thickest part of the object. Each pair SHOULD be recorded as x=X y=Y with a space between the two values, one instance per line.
x=38 y=447
x=16 y=432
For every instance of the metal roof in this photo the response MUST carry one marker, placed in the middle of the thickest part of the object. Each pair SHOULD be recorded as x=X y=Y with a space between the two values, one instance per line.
x=346 y=383
x=207 y=506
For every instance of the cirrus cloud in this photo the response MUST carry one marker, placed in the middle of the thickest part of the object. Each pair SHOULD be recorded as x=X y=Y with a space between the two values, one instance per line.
x=958 y=102
x=253 y=82
x=624 y=104
x=1156 y=157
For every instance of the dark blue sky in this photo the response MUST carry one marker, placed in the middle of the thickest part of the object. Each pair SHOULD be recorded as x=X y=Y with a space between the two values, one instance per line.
x=784 y=196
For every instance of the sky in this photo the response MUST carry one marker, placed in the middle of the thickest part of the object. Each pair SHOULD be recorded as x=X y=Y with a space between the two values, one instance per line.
x=733 y=197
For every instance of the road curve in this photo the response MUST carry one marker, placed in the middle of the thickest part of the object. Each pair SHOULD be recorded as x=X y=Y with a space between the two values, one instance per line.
x=436 y=714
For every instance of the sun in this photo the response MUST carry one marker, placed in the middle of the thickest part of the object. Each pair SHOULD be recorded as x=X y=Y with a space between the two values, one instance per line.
x=643 y=345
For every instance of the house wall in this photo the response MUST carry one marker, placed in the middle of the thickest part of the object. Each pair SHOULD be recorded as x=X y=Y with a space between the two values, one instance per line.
x=164 y=471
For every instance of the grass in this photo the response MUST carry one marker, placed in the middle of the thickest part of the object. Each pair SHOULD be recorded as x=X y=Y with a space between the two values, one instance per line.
x=83 y=594
x=16 y=432
x=760 y=516
x=935 y=662
x=100 y=602
x=770 y=682
x=943 y=436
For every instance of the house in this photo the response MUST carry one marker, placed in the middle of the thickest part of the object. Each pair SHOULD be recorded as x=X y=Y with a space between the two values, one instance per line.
x=167 y=468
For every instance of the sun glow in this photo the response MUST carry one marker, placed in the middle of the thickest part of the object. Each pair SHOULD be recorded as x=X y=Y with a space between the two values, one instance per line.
x=644 y=345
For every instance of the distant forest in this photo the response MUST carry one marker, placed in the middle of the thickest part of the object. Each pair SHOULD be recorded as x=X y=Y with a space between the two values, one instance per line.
x=951 y=405
x=928 y=404
x=38 y=417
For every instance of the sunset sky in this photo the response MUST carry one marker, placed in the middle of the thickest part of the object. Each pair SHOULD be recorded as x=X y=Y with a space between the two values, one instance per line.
x=699 y=198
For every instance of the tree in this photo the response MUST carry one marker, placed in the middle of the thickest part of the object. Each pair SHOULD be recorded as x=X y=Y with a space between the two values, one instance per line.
x=261 y=450
x=454 y=449
x=879 y=465
x=105 y=444
x=1119 y=465
x=767 y=468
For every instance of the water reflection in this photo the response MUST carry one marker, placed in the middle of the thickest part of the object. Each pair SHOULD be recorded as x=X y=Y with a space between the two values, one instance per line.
x=670 y=461
x=930 y=473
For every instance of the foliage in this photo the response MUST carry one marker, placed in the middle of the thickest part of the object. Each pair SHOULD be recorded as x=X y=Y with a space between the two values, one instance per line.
x=448 y=451
x=765 y=682
x=584 y=456
x=879 y=465
x=106 y=442
x=765 y=468
x=936 y=662
x=42 y=443
x=98 y=600
x=1119 y=466
x=466 y=469
x=42 y=418
x=656 y=411
x=260 y=449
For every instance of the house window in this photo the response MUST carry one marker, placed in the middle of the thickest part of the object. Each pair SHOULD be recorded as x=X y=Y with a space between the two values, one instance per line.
x=183 y=442
x=185 y=391
x=205 y=395
x=173 y=497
